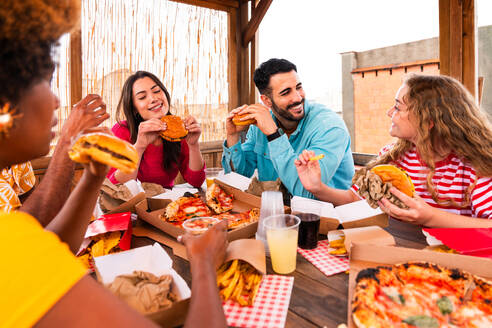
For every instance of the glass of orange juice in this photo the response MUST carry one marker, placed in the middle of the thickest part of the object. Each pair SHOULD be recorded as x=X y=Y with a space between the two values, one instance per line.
x=211 y=173
x=281 y=232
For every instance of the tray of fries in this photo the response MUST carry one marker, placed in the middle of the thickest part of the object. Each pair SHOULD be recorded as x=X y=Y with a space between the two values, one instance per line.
x=240 y=275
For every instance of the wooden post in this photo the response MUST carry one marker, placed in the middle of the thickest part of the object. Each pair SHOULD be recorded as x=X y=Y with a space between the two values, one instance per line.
x=75 y=77
x=233 y=60
x=470 y=47
x=254 y=59
x=244 y=69
x=458 y=41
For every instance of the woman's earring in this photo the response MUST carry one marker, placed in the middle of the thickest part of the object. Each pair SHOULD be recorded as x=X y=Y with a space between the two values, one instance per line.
x=7 y=118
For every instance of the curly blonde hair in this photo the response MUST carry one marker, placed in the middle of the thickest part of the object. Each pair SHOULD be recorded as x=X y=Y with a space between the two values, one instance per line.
x=447 y=118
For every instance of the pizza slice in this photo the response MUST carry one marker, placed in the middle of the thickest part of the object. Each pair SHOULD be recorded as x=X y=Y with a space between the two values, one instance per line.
x=186 y=208
x=238 y=220
x=218 y=200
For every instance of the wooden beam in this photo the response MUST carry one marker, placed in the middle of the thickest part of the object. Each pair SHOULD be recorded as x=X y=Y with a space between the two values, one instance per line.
x=458 y=41
x=252 y=27
x=480 y=90
x=470 y=47
x=254 y=59
x=455 y=40
x=444 y=57
x=233 y=58
x=223 y=5
x=75 y=77
x=244 y=68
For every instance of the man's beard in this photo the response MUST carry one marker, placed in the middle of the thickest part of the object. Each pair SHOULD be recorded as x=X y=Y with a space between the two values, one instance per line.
x=285 y=112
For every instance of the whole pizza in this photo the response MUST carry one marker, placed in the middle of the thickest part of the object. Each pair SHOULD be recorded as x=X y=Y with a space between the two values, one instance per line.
x=418 y=294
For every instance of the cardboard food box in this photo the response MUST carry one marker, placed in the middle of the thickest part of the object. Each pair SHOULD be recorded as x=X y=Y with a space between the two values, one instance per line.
x=352 y=215
x=242 y=202
x=151 y=259
x=248 y=250
x=364 y=256
x=374 y=235
x=104 y=224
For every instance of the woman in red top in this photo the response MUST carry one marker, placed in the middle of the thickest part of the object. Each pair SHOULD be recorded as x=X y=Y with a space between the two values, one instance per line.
x=445 y=145
x=144 y=100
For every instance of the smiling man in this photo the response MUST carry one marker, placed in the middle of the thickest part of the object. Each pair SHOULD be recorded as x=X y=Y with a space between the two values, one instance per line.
x=285 y=125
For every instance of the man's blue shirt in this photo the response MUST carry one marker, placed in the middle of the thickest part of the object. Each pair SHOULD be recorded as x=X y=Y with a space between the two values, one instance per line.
x=321 y=130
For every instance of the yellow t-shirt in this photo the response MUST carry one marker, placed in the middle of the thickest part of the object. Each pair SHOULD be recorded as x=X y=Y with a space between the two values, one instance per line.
x=15 y=180
x=37 y=270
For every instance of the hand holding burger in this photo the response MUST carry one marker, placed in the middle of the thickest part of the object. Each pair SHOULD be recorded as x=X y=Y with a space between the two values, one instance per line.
x=98 y=145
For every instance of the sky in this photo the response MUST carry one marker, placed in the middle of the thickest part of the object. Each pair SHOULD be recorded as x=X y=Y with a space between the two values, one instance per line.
x=313 y=33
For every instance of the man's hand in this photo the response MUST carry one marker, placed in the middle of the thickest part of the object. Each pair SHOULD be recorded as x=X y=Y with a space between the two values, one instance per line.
x=194 y=130
x=261 y=114
x=87 y=113
x=231 y=128
x=209 y=247
x=309 y=171
x=148 y=132
x=418 y=212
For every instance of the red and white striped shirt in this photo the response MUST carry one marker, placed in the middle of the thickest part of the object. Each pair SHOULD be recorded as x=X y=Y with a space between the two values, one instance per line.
x=451 y=180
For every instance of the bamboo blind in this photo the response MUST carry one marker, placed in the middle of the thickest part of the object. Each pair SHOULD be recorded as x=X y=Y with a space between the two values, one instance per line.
x=184 y=45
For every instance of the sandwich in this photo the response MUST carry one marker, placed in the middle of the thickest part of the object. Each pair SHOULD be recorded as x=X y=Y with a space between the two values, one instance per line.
x=237 y=120
x=375 y=184
x=106 y=149
x=396 y=176
x=176 y=130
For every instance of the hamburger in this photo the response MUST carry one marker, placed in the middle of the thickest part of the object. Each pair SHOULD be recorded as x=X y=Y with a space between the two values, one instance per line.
x=237 y=120
x=175 y=131
x=374 y=184
x=106 y=149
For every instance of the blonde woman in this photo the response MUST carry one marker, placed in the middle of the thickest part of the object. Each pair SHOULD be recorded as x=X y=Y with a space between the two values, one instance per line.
x=445 y=145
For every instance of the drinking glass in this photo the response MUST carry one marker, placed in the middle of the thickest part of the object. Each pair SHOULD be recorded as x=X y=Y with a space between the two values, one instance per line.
x=271 y=204
x=211 y=173
x=309 y=213
x=282 y=231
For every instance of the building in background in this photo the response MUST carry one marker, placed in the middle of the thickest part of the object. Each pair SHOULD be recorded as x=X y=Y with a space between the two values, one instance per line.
x=371 y=78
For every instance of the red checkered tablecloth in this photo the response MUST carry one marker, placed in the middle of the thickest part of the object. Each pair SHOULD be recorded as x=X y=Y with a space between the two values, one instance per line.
x=321 y=259
x=270 y=307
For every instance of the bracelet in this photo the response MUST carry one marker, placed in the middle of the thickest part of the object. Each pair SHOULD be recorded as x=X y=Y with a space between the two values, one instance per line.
x=273 y=136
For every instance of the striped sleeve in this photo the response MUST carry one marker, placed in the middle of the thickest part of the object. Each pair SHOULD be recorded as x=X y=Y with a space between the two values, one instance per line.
x=481 y=198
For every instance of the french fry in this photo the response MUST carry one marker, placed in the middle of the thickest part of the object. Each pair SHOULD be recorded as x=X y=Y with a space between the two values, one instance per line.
x=337 y=243
x=339 y=246
x=317 y=158
x=236 y=294
x=339 y=251
x=229 y=272
x=229 y=289
x=238 y=281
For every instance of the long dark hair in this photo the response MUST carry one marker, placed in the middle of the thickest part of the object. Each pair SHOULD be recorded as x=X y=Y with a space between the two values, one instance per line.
x=133 y=119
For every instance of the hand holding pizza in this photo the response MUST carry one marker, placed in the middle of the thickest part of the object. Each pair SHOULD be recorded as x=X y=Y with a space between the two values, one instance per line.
x=418 y=212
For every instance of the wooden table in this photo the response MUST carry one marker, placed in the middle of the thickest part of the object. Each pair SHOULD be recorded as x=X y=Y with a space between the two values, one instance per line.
x=316 y=300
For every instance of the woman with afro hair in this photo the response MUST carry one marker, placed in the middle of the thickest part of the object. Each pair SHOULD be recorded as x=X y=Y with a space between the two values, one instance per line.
x=44 y=284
